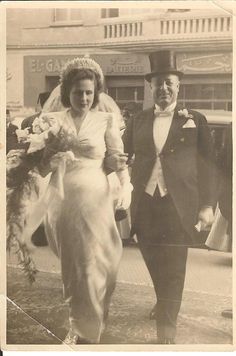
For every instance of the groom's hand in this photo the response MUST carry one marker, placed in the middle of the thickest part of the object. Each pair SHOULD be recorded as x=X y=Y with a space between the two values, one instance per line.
x=116 y=162
x=206 y=216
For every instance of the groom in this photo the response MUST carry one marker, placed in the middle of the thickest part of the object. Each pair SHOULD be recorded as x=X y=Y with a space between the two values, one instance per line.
x=172 y=175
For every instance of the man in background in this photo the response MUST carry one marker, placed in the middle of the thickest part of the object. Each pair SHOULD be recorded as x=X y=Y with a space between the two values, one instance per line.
x=28 y=121
x=11 y=137
x=39 y=236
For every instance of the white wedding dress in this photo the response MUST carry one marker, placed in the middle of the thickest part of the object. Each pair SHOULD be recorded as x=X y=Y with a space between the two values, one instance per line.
x=81 y=228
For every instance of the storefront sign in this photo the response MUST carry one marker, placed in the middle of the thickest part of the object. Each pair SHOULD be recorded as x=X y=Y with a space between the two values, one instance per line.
x=41 y=73
x=111 y=64
x=124 y=65
x=205 y=63
x=51 y=65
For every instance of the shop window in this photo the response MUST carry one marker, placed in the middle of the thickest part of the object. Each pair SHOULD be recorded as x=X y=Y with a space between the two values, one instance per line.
x=52 y=82
x=213 y=96
x=112 y=92
x=140 y=93
x=199 y=105
x=67 y=15
x=106 y=13
x=123 y=95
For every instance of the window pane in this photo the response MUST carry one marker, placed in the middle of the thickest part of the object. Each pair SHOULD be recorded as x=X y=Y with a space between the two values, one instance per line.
x=75 y=14
x=229 y=106
x=60 y=14
x=220 y=105
x=192 y=91
x=112 y=92
x=140 y=93
x=199 y=105
x=125 y=93
x=113 y=12
x=199 y=91
x=51 y=82
x=229 y=91
x=103 y=13
x=109 y=13
x=221 y=91
x=181 y=92
x=207 y=92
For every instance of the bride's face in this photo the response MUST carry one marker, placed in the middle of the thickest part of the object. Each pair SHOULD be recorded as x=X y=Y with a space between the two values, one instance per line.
x=82 y=96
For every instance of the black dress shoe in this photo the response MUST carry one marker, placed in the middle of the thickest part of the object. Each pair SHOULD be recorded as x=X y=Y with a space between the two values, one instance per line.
x=80 y=340
x=228 y=313
x=166 y=341
x=153 y=313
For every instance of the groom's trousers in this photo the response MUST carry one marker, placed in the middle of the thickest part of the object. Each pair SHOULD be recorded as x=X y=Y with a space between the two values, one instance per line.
x=163 y=244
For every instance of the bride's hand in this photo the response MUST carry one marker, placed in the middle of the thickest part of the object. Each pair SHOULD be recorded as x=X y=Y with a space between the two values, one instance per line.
x=124 y=200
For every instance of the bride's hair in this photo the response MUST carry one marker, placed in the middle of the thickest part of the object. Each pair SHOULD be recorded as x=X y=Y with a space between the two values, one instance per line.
x=74 y=76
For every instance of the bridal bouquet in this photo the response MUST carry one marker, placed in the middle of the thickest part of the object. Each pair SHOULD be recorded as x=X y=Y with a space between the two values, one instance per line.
x=23 y=179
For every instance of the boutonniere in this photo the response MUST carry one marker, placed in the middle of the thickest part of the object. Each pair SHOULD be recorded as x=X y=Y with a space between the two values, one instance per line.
x=189 y=123
x=185 y=114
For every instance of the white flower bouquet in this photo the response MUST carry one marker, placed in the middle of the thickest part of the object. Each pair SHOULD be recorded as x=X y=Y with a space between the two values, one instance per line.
x=47 y=139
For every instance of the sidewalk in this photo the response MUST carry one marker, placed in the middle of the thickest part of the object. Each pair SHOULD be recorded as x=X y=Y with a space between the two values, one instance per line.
x=35 y=310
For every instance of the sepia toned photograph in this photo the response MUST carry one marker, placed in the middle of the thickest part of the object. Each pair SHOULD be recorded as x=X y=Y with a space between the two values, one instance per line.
x=119 y=175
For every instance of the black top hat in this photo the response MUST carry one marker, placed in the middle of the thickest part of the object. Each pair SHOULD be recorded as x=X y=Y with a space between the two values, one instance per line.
x=162 y=62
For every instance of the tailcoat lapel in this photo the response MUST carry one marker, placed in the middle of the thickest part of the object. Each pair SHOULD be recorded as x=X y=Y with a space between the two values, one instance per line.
x=145 y=133
x=175 y=130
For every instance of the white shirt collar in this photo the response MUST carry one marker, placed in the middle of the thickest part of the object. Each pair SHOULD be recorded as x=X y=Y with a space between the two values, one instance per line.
x=169 y=108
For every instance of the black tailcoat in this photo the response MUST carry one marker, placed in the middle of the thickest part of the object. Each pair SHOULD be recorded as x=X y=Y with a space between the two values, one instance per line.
x=186 y=160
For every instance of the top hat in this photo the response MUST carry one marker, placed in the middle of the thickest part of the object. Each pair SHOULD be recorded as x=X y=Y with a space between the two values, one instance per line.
x=162 y=62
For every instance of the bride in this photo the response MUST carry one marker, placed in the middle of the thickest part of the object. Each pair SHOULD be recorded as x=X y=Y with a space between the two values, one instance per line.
x=81 y=227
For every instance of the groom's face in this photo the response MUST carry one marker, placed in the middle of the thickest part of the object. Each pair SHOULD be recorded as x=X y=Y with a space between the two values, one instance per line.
x=165 y=89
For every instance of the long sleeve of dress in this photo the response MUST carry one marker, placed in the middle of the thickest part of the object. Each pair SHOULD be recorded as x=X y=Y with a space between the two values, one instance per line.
x=114 y=145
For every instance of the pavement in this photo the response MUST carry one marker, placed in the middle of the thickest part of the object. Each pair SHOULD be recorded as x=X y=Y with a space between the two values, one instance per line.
x=37 y=314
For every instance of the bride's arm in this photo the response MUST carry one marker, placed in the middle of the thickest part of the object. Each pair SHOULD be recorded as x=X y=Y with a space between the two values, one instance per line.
x=114 y=145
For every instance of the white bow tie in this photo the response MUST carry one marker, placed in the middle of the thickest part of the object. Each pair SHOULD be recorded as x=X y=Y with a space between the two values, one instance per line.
x=162 y=113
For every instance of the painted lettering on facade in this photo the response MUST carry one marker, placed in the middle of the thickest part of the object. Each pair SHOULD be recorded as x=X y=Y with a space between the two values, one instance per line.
x=126 y=65
x=52 y=65
x=119 y=69
x=202 y=63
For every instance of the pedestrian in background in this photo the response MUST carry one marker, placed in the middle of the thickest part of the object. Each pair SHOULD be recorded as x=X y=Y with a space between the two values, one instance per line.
x=11 y=137
x=39 y=237
x=173 y=180
x=28 y=121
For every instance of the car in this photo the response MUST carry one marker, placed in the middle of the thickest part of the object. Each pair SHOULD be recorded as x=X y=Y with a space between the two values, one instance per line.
x=219 y=122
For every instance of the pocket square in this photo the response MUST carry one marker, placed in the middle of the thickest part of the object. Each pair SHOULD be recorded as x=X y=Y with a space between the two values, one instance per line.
x=189 y=124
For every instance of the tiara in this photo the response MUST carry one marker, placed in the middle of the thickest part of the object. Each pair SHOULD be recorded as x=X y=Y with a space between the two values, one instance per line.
x=82 y=63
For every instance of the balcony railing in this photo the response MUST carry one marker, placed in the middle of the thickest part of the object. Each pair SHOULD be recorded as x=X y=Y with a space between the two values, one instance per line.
x=163 y=28
x=121 y=30
x=118 y=30
x=195 y=26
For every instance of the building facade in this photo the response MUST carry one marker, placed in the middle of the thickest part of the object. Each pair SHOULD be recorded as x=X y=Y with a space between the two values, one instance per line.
x=40 y=41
